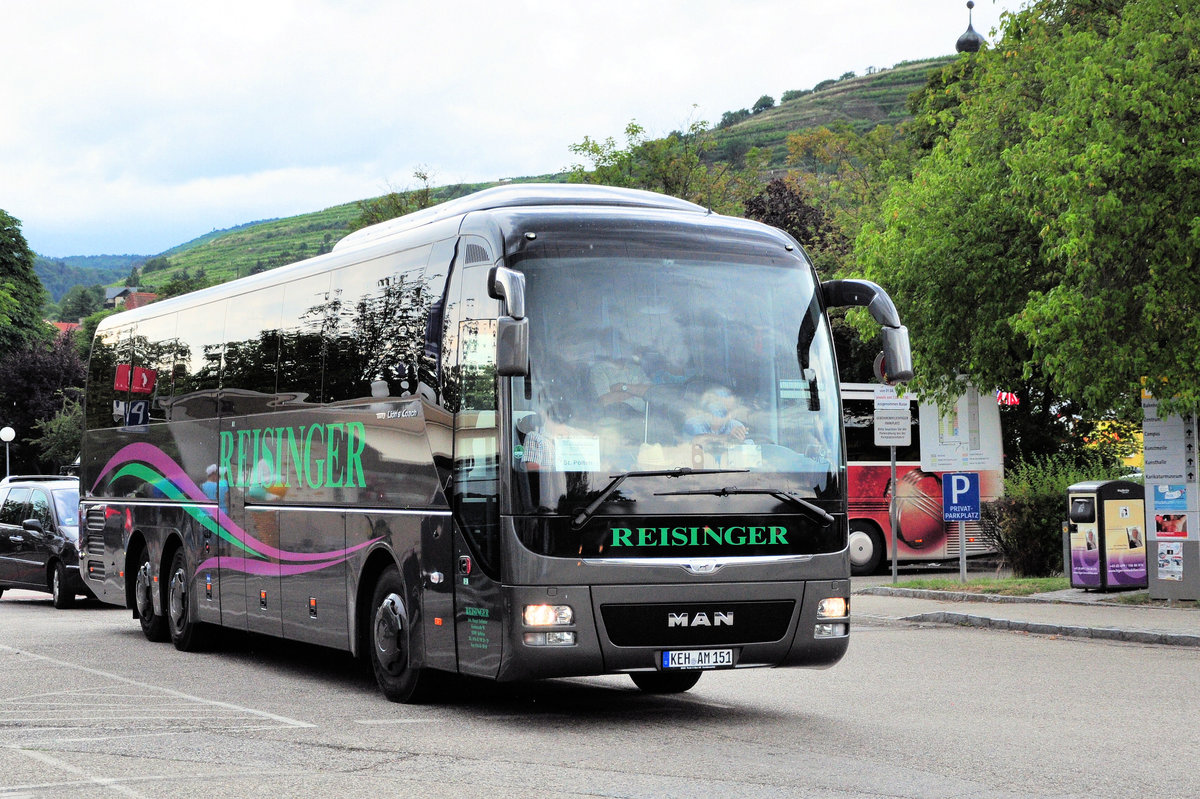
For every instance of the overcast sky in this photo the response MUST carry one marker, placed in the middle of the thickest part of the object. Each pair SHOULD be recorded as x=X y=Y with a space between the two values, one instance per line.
x=134 y=126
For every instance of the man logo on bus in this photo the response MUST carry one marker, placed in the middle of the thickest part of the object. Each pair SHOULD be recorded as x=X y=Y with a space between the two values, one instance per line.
x=719 y=619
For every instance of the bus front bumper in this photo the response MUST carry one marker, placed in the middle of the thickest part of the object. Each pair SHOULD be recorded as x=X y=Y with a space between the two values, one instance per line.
x=627 y=628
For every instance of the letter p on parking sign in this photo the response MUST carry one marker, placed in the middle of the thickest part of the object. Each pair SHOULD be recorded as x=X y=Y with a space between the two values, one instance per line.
x=960 y=497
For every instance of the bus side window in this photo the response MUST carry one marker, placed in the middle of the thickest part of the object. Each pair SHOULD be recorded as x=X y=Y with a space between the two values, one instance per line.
x=198 y=364
x=472 y=379
x=378 y=333
x=251 y=353
x=302 y=341
x=153 y=355
x=105 y=401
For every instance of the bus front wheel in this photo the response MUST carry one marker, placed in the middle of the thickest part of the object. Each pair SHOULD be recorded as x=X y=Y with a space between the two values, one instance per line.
x=867 y=548
x=390 y=645
x=665 y=682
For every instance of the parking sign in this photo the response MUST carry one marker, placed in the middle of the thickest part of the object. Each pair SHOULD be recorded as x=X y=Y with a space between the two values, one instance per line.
x=960 y=497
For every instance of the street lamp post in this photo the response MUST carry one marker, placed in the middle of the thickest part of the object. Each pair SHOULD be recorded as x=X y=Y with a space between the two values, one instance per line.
x=7 y=434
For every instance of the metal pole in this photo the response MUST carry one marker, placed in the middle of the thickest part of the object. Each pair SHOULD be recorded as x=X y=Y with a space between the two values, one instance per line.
x=892 y=517
x=962 y=551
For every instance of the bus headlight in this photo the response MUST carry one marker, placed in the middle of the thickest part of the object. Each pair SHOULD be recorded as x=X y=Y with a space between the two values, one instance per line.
x=552 y=638
x=548 y=615
x=833 y=607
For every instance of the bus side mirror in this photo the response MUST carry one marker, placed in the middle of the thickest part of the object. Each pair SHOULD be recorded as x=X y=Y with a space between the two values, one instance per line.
x=512 y=329
x=897 y=355
x=897 y=352
x=512 y=347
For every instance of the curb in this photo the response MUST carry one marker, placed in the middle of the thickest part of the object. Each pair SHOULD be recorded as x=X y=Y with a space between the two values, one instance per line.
x=961 y=596
x=1041 y=628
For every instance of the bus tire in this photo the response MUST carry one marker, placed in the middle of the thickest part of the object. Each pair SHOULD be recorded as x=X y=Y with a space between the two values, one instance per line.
x=59 y=593
x=154 y=626
x=665 y=682
x=187 y=634
x=867 y=548
x=389 y=642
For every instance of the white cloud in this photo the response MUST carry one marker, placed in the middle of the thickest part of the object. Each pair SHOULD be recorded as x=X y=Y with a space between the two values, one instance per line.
x=137 y=125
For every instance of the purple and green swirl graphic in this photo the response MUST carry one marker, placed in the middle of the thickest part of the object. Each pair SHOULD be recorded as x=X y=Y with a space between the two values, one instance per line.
x=151 y=465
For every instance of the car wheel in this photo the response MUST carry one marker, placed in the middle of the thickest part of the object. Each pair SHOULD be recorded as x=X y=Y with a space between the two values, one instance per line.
x=154 y=625
x=390 y=643
x=867 y=548
x=63 y=597
x=186 y=633
x=665 y=682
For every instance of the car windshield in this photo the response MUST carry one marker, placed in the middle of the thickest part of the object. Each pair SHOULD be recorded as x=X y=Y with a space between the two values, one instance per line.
x=66 y=502
x=650 y=355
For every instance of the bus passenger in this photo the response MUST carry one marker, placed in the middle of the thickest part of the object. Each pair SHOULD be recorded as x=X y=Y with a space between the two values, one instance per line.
x=714 y=422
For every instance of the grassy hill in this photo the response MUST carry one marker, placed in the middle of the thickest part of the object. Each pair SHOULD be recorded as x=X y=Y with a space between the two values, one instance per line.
x=236 y=252
x=861 y=102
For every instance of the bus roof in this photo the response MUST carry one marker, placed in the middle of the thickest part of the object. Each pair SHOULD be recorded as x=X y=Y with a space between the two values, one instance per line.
x=521 y=195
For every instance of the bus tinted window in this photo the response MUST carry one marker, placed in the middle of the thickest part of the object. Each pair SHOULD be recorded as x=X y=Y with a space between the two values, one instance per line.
x=154 y=346
x=109 y=348
x=201 y=333
x=380 y=308
x=306 y=315
x=251 y=353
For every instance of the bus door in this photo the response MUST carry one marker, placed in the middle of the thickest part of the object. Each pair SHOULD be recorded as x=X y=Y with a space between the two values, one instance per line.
x=470 y=352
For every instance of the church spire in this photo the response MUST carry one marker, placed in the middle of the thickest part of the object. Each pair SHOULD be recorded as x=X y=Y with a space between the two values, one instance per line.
x=969 y=42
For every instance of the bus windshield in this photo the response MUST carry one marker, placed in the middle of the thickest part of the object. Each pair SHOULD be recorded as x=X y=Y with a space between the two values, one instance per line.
x=652 y=355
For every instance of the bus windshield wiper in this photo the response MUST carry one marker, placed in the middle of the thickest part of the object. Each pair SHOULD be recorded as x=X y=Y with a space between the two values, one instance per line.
x=814 y=511
x=602 y=497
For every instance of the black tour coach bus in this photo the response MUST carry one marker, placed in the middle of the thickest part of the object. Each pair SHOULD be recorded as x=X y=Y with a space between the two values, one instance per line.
x=538 y=431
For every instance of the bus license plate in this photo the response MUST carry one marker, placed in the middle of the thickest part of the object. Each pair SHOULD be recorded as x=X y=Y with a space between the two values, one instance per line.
x=698 y=659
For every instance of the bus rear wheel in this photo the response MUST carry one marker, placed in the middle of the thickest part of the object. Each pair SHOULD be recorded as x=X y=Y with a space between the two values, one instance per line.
x=390 y=643
x=154 y=625
x=187 y=634
x=665 y=682
x=867 y=548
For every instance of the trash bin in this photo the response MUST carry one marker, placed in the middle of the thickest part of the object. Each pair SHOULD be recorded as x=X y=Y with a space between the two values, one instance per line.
x=1104 y=539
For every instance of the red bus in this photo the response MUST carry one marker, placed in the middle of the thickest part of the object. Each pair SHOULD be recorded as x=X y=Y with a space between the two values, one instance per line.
x=922 y=536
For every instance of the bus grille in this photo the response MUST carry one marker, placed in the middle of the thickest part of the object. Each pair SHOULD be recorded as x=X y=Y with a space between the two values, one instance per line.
x=95 y=519
x=697 y=623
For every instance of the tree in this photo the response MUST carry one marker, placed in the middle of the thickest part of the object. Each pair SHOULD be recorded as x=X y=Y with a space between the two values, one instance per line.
x=764 y=103
x=787 y=205
x=79 y=302
x=21 y=293
x=671 y=165
x=396 y=203
x=61 y=434
x=35 y=382
x=1053 y=218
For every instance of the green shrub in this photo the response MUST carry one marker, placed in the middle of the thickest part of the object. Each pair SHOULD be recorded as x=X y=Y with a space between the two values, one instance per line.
x=1025 y=525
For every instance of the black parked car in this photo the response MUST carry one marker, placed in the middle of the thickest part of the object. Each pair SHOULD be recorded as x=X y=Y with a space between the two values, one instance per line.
x=39 y=536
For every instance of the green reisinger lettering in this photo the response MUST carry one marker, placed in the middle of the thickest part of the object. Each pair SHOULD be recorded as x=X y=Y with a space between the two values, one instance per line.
x=226 y=455
x=335 y=434
x=778 y=535
x=356 y=441
x=293 y=448
x=243 y=447
x=314 y=469
x=620 y=537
